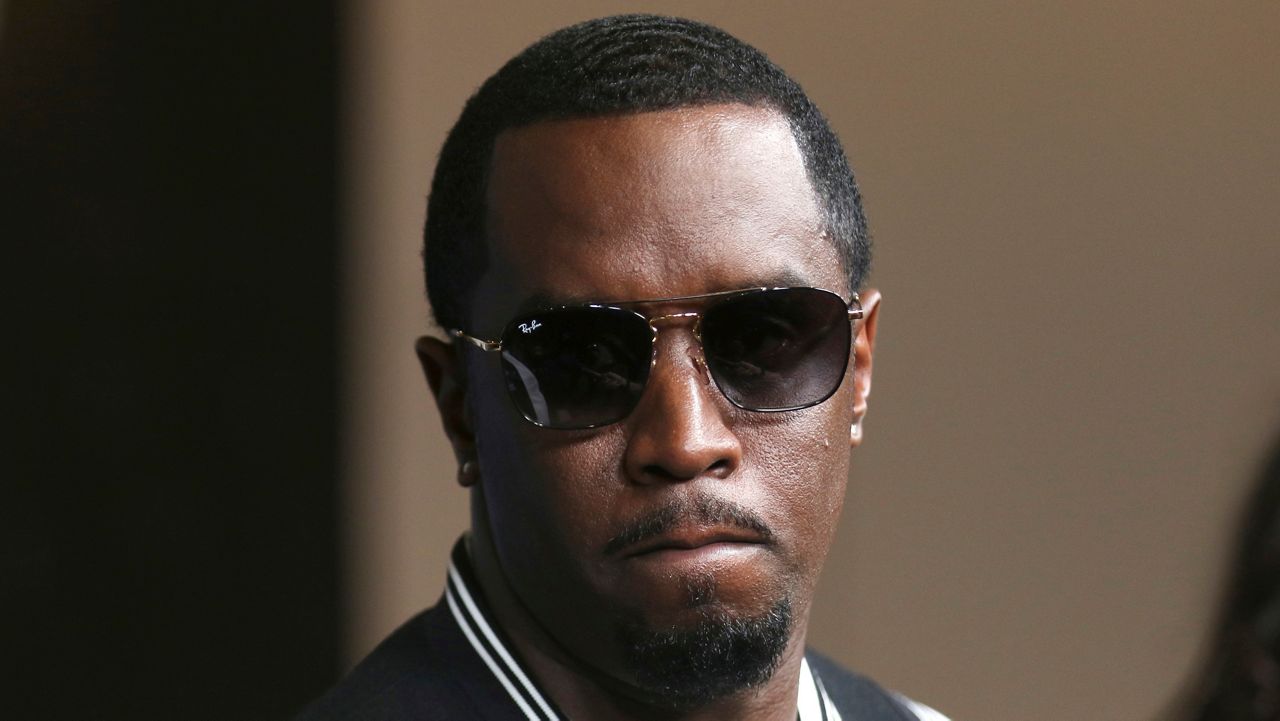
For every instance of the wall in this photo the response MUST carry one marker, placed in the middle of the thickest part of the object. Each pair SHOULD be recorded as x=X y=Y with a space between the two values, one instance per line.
x=1074 y=211
x=167 y=447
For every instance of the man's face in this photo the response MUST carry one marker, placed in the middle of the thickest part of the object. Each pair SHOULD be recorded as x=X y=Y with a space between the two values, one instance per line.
x=647 y=206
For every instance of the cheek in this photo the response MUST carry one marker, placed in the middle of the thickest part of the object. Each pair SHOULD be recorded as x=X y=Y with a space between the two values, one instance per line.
x=544 y=490
x=803 y=458
x=578 y=473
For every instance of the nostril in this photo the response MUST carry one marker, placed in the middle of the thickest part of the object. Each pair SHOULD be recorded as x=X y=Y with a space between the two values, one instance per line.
x=657 y=472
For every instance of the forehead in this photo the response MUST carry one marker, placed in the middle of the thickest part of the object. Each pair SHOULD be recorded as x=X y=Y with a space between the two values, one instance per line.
x=650 y=205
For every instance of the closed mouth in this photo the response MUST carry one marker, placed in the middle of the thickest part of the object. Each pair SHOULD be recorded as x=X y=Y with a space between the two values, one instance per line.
x=685 y=539
x=685 y=524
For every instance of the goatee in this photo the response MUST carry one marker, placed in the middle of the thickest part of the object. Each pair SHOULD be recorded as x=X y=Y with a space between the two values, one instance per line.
x=719 y=655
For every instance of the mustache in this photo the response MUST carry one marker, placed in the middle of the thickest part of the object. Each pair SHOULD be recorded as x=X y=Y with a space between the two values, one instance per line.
x=701 y=510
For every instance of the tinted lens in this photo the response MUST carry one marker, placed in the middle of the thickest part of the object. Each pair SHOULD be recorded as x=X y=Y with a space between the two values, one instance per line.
x=577 y=367
x=778 y=350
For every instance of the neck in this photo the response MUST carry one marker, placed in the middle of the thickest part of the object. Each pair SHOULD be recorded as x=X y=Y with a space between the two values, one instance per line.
x=585 y=692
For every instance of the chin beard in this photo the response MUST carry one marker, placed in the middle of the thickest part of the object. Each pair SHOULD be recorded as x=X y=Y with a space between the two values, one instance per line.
x=718 y=656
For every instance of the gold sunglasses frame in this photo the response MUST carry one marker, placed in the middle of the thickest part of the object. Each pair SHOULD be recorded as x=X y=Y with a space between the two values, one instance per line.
x=853 y=308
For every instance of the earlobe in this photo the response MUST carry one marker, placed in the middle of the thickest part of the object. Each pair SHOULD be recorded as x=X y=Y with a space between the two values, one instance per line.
x=441 y=365
x=863 y=349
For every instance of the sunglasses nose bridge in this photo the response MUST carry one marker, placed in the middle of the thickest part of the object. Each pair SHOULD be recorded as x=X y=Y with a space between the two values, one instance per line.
x=673 y=318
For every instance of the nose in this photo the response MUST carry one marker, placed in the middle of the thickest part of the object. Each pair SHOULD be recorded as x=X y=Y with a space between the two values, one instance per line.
x=680 y=430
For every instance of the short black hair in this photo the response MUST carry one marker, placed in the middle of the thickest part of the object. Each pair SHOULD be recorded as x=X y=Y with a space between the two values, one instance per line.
x=618 y=65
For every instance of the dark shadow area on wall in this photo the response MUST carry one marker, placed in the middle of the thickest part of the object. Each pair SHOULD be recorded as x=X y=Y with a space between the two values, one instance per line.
x=167 y=528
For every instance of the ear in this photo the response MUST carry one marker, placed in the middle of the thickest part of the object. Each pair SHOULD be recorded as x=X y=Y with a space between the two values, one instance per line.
x=864 y=345
x=443 y=368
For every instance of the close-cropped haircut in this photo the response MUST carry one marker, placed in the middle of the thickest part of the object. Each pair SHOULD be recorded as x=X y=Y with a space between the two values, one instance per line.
x=611 y=66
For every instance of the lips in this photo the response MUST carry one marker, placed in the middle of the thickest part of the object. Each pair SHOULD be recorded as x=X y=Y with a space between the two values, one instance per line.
x=688 y=524
x=692 y=552
x=693 y=538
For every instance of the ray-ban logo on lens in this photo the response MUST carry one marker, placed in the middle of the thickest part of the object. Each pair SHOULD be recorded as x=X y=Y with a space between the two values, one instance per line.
x=530 y=327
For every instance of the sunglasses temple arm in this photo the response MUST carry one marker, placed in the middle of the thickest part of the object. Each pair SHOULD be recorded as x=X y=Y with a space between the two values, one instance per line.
x=481 y=343
x=855 y=308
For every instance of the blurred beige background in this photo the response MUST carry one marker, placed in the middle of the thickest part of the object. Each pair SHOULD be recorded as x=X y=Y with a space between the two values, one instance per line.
x=1075 y=211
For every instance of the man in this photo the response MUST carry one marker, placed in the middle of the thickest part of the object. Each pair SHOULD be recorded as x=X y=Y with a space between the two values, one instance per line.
x=647 y=249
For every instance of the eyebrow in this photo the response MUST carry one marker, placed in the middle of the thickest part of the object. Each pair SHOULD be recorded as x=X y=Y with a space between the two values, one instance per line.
x=543 y=299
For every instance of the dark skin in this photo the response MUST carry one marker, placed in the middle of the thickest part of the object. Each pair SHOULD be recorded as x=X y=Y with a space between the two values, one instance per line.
x=648 y=206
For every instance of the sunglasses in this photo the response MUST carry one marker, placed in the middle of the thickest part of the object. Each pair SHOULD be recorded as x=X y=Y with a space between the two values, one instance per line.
x=584 y=366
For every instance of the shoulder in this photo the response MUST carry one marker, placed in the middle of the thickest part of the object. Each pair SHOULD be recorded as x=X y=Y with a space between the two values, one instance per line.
x=858 y=698
x=425 y=664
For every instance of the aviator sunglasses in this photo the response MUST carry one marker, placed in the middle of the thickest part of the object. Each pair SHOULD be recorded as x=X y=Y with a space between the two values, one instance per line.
x=584 y=366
